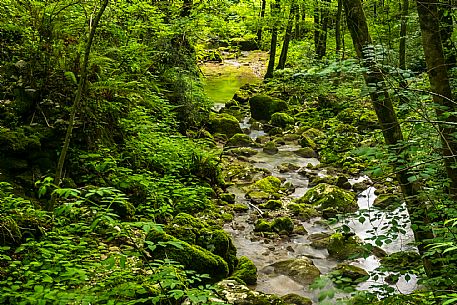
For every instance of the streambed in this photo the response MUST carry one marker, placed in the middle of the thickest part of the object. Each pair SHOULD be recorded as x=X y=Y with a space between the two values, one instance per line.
x=223 y=80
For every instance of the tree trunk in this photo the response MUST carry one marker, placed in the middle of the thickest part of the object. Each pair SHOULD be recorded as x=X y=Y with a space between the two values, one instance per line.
x=297 y=32
x=446 y=29
x=382 y=103
x=440 y=85
x=287 y=36
x=338 y=26
x=321 y=29
x=274 y=41
x=76 y=102
x=262 y=15
x=402 y=47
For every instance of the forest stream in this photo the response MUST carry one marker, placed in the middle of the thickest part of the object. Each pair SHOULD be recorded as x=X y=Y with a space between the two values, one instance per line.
x=222 y=81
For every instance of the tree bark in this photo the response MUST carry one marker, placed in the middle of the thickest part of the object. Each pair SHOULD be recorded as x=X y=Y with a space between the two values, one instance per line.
x=77 y=101
x=382 y=103
x=439 y=82
x=262 y=16
x=403 y=29
x=274 y=41
x=446 y=29
x=339 y=12
x=287 y=36
x=298 y=12
x=321 y=19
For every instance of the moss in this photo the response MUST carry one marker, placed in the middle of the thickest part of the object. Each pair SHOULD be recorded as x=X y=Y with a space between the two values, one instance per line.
x=268 y=184
x=306 y=152
x=243 y=151
x=262 y=106
x=246 y=271
x=307 y=141
x=401 y=261
x=282 y=225
x=303 y=211
x=326 y=196
x=316 y=180
x=302 y=270
x=270 y=148
x=239 y=207
x=353 y=274
x=223 y=124
x=262 y=225
x=281 y=119
x=228 y=197
x=240 y=140
x=343 y=247
x=295 y=299
x=387 y=201
x=220 y=243
x=18 y=141
x=9 y=232
x=275 y=131
x=271 y=205
x=190 y=256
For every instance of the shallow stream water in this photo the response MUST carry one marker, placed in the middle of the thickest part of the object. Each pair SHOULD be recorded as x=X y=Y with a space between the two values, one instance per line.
x=222 y=82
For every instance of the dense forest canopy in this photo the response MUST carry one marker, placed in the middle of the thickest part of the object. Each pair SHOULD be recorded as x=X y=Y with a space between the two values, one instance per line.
x=122 y=179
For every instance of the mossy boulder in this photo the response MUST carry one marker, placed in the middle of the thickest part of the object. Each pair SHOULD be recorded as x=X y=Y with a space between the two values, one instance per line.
x=262 y=107
x=342 y=247
x=301 y=270
x=194 y=231
x=264 y=188
x=401 y=261
x=271 y=205
x=228 y=197
x=10 y=233
x=223 y=123
x=307 y=141
x=287 y=167
x=306 y=152
x=387 y=201
x=20 y=141
x=303 y=211
x=325 y=196
x=240 y=140
x=316 y=180
x=282 y=225
x=319 y=240
x=270 y=148
x=242 y=96
x=245 y=271
x=242 y=151
x=247 y=43
x=348 y=274
x=237 y=294
x=281 y=119
x=262 y=225
x=295 y=299
x=192 y=257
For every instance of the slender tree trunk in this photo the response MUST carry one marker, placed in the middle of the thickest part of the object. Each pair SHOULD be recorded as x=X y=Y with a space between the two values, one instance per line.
x=78 y=97
x=274 y=41
x=339 y=12
x=446 y=29
x=440 y=85
x=382 y=103
x=297 y=32
x=317 y=26
x=403 y=29
x=262 y=16
x=321 y=30
x=287 y=36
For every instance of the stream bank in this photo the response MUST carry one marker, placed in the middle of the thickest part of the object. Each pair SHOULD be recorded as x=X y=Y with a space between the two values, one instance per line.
x=289 y=152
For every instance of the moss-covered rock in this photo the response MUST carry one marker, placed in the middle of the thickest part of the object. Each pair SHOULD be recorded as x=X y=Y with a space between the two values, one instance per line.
x=307 y=141
x=245 y=271
x=303 y=211
x=287 y=167
x=319 y=240
x=239 y=207
x=194 y=231
x=306 y=152
x=345 y=274
x=402 y=261
x=228 y=197
x=242 y=151
x=326 y=196
x=387 y=201
x=223 y=123
x=262 y=225
x=281 y=119
x=263 y=189
x=262 y=106
x=270 y=148
x=282 y=225
x=20 y=141
x=295 y=299
x=271 y=205
x=301 y=270
x=240 y=140
x=342 y=247
x=316 y=180
x=238 y=294
x=192 y=257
